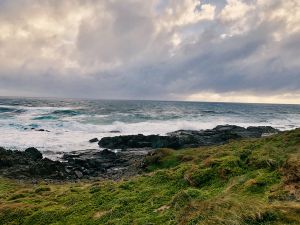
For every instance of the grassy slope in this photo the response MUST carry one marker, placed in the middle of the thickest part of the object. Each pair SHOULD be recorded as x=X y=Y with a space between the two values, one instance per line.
x=244 y=182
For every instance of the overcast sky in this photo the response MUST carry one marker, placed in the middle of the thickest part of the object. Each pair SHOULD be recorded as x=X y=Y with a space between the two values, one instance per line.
x=209 y=50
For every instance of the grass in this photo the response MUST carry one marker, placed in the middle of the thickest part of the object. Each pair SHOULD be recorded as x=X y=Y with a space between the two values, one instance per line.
x=244 y=182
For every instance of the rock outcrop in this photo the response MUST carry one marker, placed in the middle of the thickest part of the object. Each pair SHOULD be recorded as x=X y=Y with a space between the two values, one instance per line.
x=87 y=164
x=105 y=163
x=93 y=140
x=96 y=163
x=30 y=164
x=186 y=138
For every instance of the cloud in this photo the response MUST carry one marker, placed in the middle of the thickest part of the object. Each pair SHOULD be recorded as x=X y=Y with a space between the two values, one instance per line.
x=235 y=10
x=287 y=98
x=156 y=49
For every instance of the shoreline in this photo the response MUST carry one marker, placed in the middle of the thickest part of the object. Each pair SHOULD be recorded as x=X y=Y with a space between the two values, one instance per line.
x=122 y=157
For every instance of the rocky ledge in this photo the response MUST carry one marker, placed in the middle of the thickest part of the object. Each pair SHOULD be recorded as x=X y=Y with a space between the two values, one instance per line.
x=126 y=162
x=87 y=164
x=186 y=138
x=29 y=164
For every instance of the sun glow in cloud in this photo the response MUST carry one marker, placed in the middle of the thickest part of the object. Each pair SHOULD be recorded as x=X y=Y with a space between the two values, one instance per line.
x=234 y=50
x=284 y=98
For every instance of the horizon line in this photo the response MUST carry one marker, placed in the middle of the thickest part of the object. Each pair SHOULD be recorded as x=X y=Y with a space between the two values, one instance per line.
x=157 y=100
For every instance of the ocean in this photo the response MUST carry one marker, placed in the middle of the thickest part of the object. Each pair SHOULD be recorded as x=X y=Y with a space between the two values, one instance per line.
x=69 y=124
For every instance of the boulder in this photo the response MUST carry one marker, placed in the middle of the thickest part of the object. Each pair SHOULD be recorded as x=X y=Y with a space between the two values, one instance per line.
x=93 y=140
x=114 y=131
x=33 y=153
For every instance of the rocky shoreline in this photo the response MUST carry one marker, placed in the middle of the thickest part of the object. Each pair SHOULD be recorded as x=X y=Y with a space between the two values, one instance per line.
x=87 y=164
x=122 y=157
x=186 y=138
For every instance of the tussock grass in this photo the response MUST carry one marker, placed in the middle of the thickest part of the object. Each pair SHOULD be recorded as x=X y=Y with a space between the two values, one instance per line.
x=244 y=182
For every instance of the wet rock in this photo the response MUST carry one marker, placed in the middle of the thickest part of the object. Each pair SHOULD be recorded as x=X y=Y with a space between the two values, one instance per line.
x=33 y=153
x=42 y=130
x=138 y=141
x=114 y=131
x=185 y=138
x=93 y=140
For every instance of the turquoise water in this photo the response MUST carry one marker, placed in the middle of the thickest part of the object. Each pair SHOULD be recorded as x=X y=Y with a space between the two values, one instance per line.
x=73 y=122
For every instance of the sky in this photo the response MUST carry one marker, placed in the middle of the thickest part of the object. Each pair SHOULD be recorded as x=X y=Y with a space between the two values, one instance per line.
x=207 y=50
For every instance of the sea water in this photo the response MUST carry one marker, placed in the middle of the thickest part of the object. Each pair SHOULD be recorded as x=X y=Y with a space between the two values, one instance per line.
x=72 y=123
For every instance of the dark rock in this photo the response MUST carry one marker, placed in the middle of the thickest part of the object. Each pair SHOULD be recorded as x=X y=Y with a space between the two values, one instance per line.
x=114 y=131
x=94 y=140
x=186 y=138
x=47 y=168
x=30 y=164
x=6 y=159
x=263 y=130
x=42 y=130
x=138 y=141
x=107 y=153
x=78 y=174
x=33 y=153
x=105 y=163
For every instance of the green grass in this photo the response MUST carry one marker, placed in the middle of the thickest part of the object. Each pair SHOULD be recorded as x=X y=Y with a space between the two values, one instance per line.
x=244 y=182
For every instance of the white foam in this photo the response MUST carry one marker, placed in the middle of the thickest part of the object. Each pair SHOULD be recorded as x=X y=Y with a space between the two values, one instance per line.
x=72 y=133
x=75 y=136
